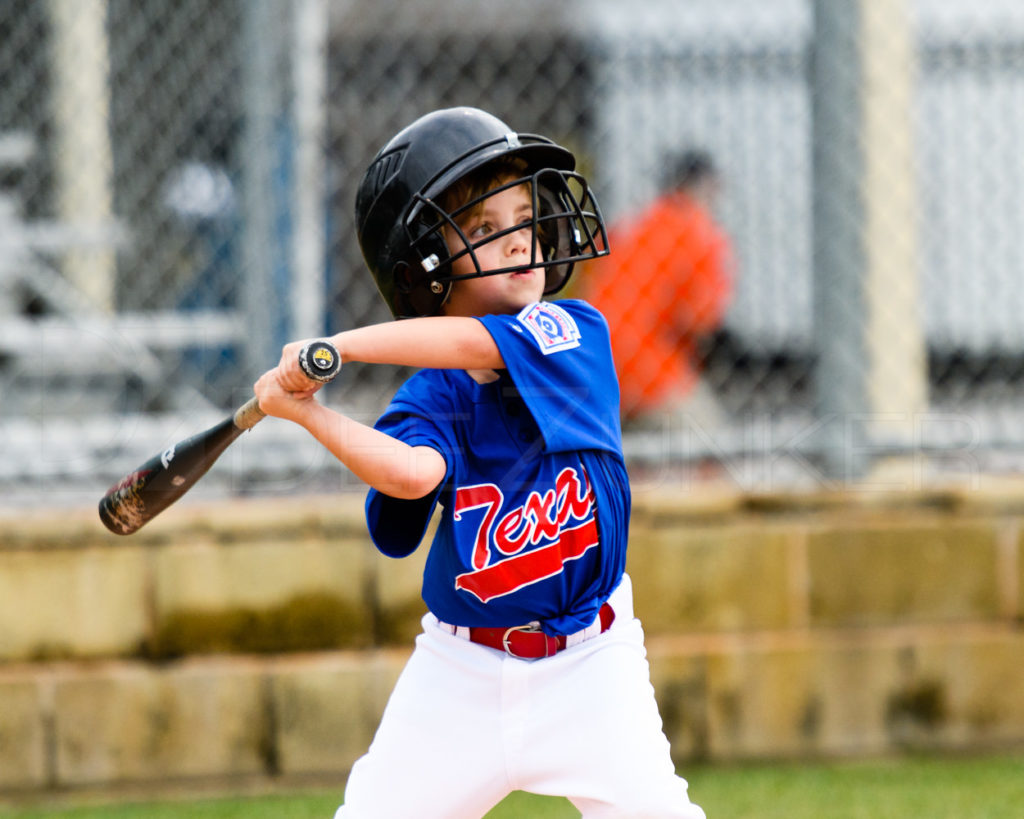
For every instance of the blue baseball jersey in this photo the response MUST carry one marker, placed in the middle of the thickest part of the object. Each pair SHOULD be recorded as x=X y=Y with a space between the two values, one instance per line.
x=536 y=500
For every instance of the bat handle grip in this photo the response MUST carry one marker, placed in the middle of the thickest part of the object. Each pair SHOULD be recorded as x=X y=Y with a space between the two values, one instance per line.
x=319 y=360
x=249 y=414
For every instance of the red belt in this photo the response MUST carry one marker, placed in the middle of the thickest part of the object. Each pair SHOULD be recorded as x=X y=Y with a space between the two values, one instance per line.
x=529 y=642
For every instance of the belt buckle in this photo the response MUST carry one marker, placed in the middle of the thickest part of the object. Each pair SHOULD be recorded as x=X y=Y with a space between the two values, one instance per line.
x=505 y=644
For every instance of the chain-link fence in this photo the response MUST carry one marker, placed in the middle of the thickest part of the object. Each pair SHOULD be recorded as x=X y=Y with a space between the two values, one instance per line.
x=177 y=180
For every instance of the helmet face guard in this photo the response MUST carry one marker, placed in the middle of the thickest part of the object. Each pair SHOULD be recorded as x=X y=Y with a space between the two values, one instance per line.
x=566 y=228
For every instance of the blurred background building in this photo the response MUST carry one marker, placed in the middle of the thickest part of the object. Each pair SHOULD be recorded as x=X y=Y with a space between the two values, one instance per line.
x=177 y=181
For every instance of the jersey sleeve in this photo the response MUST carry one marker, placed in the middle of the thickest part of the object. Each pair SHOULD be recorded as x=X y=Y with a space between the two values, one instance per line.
x=559 y=356
x=397 y=525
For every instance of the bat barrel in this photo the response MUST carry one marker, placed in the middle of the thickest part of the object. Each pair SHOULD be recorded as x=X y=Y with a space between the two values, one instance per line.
x=144 y=493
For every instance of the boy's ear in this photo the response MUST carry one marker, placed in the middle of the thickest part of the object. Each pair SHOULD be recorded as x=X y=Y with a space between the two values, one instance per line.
x=413 y=295
x=402 y=276
x=402 y=281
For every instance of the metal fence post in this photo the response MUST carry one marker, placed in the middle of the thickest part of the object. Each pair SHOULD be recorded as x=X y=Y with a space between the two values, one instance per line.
x=262 y=98
x=870 y=367
x=309 y=63
x=83 y=155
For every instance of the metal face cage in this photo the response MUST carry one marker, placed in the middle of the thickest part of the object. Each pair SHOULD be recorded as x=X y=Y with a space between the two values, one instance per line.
x=566 y=226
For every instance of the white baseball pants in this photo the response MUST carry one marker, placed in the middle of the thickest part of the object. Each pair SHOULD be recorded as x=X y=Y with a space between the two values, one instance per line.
x=466 y=725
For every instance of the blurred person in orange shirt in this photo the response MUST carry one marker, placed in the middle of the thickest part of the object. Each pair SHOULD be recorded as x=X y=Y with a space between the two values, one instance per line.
x=664 y=289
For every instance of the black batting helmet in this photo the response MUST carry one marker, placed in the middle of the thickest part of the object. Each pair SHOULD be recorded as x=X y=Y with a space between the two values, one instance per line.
x=400 y=216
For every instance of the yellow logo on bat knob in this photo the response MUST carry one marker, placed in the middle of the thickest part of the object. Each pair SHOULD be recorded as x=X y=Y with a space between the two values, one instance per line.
x=323 y=358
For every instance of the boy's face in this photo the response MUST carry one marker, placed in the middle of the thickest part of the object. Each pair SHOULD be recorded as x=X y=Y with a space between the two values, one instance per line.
x=504 y=292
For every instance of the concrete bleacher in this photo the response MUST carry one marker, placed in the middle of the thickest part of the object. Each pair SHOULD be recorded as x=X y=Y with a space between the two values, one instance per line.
x=58 y=347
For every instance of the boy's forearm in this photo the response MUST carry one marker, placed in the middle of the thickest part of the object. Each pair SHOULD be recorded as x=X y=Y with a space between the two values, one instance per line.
x=385 y=463
x=445 y=342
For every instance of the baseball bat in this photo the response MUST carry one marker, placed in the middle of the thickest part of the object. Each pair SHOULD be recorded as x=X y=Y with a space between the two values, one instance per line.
x=145 y=492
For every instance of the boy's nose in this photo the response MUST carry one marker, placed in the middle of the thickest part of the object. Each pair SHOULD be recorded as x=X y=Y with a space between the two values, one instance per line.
x=519 y=240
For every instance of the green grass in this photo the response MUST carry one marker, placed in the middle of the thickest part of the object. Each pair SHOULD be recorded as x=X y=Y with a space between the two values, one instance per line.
x=906 y=788
x=914 y=788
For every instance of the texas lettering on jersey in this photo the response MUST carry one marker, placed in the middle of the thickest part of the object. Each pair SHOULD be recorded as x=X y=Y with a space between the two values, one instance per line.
x=529 y=543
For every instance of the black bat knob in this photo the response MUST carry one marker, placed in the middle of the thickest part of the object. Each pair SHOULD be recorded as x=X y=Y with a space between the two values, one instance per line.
x=320 y=361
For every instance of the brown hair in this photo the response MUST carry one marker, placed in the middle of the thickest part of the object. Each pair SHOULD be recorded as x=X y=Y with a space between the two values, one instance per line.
x=481 y=180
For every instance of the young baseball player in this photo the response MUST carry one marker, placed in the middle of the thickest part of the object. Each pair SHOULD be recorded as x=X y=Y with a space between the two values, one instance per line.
x=530 y=673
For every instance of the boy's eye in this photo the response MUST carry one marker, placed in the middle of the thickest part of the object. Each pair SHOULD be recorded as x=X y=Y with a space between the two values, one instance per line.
x=484 y=228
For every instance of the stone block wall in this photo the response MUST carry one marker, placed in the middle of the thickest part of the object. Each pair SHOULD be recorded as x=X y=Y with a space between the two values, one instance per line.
x=261 y=638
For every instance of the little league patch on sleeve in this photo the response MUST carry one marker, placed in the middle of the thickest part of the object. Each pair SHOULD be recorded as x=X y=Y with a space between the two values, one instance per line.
x=553 y=328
